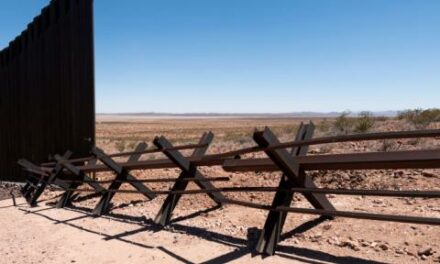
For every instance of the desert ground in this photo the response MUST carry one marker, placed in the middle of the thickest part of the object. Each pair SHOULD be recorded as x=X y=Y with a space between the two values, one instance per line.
x=202 y=233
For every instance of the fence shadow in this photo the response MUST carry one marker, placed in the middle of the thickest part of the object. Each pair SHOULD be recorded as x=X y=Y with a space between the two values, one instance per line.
x=242 y=246
x=24 y=204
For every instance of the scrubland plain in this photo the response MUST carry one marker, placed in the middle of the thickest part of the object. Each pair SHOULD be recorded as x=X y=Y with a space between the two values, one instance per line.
x=200 y=234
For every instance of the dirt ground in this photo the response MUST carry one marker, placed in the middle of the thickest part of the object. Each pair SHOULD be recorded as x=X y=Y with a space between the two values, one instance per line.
x=201 y=233
x=7 y=190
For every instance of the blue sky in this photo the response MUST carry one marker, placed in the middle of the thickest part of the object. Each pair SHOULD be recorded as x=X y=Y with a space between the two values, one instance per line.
x=258 y=56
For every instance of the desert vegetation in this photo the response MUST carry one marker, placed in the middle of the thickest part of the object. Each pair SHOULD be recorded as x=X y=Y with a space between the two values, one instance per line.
x=420 y=118
x=117 y=136
x=340 y=240
x=361 y=238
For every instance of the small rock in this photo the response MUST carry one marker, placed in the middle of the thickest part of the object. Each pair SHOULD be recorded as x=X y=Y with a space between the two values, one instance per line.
x=399 y=251
x=333 y=241
x=410 y=253
x=316 y=238
x=350 y=244
x=427 y=251
x=384 y=247
x=428 y=174
x=327 y=227
x=344 y=176
x=377 y=201
x=398 y=174
x=365 y=243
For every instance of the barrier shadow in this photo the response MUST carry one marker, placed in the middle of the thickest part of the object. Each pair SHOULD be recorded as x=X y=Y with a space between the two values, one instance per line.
x=242 y=247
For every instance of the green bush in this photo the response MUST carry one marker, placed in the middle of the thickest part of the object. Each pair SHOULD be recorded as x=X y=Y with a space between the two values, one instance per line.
x=364 y=123
x=344 y=124
x=420 y=118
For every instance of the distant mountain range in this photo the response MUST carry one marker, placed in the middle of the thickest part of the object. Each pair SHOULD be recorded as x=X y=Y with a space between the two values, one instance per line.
x=292 y=114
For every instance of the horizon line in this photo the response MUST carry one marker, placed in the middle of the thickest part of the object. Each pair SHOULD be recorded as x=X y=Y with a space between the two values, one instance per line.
x=301 y=113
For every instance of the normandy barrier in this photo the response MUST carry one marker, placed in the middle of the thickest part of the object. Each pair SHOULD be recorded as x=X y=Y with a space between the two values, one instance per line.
x=72 y=176
x=47 y=87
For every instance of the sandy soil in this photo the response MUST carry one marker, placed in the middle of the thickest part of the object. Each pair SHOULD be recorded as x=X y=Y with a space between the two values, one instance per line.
x=47 y=235
x=201 y=234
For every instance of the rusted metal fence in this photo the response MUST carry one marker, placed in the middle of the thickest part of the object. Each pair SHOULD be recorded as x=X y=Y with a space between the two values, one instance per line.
x=290 y=158
x=47 y=87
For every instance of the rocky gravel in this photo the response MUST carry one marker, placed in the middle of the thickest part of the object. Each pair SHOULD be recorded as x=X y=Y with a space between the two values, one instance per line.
x=9 y=189
x=232 y=228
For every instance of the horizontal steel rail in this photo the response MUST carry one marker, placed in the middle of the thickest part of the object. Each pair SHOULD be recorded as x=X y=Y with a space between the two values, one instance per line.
x=385 y=193
x=153 y=180
x=332 y=139
x=337 y=213
x=362 y=215
x=412 y=159
x=294 y=179
x=315 y=141
x=123 y=154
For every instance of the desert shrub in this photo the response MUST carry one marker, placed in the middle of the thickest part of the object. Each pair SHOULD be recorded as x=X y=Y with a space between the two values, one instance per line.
x=343 y=124
x=388 y=145
x=408 y=114
x=420 y=118
x=324 y=126
x=285 y=130
x=327 y=148
x=364 y=123
x=120 y=145
x=430 y=116
x=132 y=145
x=233 y=136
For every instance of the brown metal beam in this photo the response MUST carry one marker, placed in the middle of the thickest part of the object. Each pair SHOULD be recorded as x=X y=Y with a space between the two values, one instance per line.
x=215 y=158
x=123 y=154
x=352 y=161
x=412 y=159
x=332 y=139
x=155 y=180
x=384 y=193
x=361 y=215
